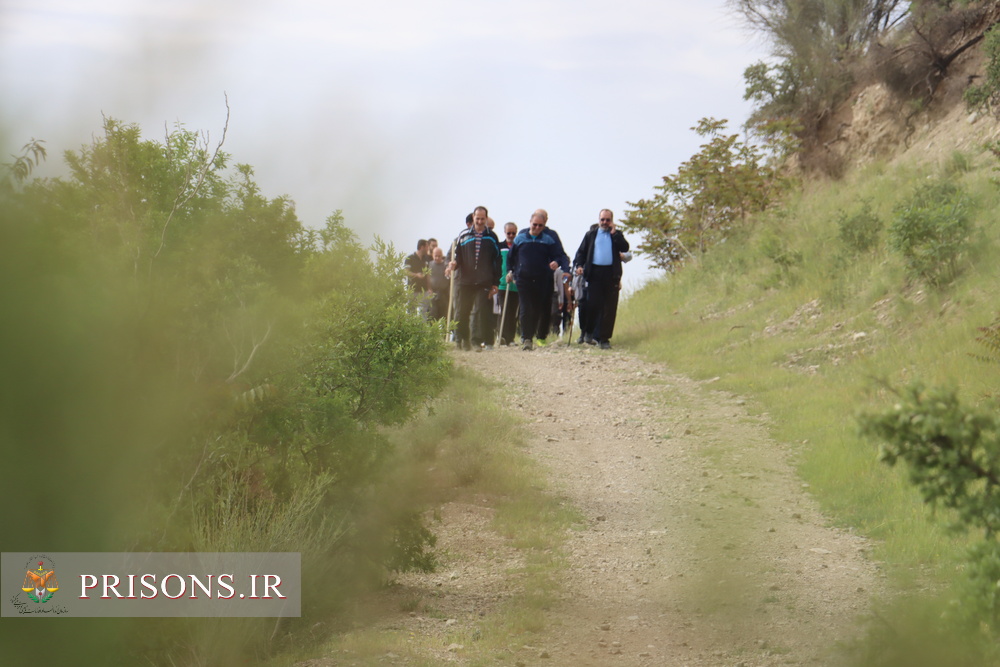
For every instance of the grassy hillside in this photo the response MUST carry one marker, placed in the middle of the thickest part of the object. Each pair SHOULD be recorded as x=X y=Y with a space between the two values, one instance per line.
x=814 y=331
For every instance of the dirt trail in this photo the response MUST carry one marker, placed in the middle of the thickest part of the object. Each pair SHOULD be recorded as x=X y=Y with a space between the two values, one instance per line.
x=700 y=546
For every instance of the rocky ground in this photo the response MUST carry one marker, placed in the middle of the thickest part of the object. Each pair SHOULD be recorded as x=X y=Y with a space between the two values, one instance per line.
x=700 y=545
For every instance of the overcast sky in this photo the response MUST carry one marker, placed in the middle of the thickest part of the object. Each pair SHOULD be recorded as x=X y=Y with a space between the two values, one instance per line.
x=406 y=115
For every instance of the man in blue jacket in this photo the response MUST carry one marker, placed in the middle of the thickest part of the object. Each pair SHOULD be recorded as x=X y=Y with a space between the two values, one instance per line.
x=599 y=261
x=477 y=259
x=535 y=254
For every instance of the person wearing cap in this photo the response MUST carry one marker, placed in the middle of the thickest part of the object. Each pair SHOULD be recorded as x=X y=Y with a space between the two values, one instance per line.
x=599 y=261
x=537 y=252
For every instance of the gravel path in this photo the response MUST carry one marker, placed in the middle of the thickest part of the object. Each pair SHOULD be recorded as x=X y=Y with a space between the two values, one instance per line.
x=701 y=545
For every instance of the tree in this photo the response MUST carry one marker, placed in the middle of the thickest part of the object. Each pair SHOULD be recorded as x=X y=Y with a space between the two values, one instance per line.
x=711 y=193
x=816 y=44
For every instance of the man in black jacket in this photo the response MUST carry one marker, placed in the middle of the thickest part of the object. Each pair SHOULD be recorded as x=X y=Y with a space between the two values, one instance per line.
x=599 y=261
x=477 y=259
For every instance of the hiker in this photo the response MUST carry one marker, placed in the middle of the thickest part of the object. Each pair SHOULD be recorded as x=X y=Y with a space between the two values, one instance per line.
x=508 y=289
x=439 y=285
x=477 y=260
x=416 y=276
x=536 y=253
x=599 y=261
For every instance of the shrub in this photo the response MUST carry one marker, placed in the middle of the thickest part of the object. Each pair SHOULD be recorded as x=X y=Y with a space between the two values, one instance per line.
x=986 y=94
x=859 y=231
x=952 y=453
x=785 y=258
x=931 y=231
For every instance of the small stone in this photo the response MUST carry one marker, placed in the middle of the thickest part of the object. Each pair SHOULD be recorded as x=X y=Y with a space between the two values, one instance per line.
x=544 y=654
x=605 y=626
x=455 y=648
x=602 y=518
x=450 y=622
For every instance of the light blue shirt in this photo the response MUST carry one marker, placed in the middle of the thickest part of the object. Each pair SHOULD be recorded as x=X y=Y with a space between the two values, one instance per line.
x=602 y=248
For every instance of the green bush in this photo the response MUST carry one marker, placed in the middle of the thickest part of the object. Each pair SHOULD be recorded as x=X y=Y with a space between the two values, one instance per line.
x=931 y=231
x=171 y=334
x=952 y=454
x=859 y=231
x=986 y=94
x=785 y=258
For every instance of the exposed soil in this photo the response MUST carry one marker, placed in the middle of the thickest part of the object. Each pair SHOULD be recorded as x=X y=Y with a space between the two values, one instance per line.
x=701 y=546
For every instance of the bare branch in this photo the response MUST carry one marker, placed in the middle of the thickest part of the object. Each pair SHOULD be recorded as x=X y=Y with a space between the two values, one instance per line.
x=253 y=353
x=182 y=197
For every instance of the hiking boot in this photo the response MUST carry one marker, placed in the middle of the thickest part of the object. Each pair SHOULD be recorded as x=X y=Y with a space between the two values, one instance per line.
x=542 y=342
x=580 y=340
x=605 y=345
x=589 y=340
x=488 y=347
x=526 y=345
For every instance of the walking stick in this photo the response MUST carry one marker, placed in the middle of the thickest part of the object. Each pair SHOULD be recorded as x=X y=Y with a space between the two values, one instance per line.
x=503 y=314
x=572 y=318
x=451 y=295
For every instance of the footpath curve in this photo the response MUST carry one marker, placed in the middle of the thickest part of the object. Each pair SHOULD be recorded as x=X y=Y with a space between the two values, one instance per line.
x=701 y=545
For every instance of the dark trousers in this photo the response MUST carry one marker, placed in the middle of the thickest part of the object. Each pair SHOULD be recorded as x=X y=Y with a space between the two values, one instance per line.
x=535 y=306
x=583 y=309
x=475 y=312
x=602 y=302
x=509 y=316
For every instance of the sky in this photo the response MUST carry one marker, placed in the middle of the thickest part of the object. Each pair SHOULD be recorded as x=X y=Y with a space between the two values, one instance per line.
x=403 y=115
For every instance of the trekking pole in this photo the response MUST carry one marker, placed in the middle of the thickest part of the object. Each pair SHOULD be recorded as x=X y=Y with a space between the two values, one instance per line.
x=572 y=318
x=451 y=295
x=503 y=314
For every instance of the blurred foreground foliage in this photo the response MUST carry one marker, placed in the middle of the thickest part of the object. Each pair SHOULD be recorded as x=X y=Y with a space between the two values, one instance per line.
x=187 y=368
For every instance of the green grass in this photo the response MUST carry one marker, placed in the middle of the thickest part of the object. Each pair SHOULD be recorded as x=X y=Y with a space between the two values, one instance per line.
x=814 y=369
